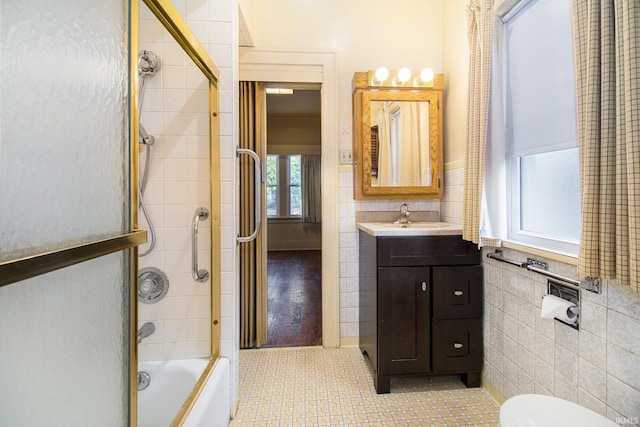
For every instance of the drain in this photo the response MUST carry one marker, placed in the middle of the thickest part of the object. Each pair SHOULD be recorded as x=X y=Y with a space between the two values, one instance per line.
x=153 y=285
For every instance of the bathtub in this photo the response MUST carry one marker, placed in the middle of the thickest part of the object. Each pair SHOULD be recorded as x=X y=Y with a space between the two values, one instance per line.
x=171 y=383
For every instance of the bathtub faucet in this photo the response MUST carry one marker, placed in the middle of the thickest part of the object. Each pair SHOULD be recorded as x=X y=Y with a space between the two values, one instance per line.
x=145 y=330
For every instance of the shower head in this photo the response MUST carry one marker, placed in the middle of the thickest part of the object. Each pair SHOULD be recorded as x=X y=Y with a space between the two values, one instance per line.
x=148 y=63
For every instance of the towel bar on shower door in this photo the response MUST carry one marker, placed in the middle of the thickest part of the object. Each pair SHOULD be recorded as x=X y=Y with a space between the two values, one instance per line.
x=258 y=199
x=198 y=275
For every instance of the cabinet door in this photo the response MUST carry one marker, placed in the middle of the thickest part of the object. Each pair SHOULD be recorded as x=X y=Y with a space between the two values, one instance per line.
x=457 y=345
x=404 y=317
x=457 y=292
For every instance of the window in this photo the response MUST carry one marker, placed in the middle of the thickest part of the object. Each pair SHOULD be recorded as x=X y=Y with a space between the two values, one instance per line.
x=295 y=189
x=541 y=141
x=284 y=189
x=272 y=185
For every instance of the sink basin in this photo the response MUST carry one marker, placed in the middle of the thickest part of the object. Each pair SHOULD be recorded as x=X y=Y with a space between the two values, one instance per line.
x=427 y=225
x=413 y=229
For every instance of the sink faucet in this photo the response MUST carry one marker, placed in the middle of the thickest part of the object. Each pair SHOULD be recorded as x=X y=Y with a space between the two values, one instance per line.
x=145 y=330
x=404 y=215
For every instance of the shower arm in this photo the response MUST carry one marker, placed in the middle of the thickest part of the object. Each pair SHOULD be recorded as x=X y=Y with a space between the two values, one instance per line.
x=144 y=137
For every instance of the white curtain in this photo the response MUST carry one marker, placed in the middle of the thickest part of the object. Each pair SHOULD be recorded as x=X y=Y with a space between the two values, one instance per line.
x=409 y=170
x=480 y=24
x=311 y=189
x=426 y=177
x=493 y=215
x=385 y=168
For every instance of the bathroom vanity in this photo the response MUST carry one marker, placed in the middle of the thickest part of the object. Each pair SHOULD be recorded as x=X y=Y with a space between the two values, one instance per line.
x=420 y=302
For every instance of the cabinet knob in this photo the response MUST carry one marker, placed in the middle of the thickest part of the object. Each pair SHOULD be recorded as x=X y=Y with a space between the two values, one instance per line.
x=458 y=293
x=424 y=286
x=457 y=345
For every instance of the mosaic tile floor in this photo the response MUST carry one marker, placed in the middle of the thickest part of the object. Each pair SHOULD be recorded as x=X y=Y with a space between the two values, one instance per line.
x=312 y=386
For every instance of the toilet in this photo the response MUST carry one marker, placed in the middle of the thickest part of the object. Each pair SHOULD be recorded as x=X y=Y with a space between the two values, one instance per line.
x=536 y=410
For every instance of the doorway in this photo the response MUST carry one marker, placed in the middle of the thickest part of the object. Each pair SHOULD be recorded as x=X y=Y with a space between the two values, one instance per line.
x=320 y=68
x=294 y=224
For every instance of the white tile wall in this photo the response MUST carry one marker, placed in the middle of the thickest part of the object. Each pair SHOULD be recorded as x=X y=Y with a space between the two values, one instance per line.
x=597 y=366
x=175 y=111
x=451 y=205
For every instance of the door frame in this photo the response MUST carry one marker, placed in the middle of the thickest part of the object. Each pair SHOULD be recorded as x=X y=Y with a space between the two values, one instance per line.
x=312 y=67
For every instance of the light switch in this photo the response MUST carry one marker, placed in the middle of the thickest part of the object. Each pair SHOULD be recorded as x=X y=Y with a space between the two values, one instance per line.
x=345 y=157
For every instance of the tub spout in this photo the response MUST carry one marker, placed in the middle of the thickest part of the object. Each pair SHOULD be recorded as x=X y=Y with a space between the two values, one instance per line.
x=144 y=379
x=145 y=330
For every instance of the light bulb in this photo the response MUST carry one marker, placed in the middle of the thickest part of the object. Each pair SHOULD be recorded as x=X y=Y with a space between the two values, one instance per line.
x=382 y=74
x=426 y=75
x=404 y=75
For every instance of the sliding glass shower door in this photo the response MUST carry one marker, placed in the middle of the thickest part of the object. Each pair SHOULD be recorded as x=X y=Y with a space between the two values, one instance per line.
x=65 y=213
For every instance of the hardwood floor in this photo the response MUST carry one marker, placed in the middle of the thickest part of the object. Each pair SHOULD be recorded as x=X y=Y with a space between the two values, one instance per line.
x=294 y=298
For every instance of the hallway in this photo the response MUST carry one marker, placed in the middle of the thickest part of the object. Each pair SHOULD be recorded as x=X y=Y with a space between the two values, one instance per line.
x=294 y=298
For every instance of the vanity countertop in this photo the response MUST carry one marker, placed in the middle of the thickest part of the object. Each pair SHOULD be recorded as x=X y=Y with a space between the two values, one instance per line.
x=387 y=229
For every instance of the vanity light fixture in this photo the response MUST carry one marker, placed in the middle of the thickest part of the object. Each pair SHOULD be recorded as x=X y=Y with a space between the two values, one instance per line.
x=426 y=75
x=279 y=91
x=401 y=78
x=381 y=74
x=404 y=75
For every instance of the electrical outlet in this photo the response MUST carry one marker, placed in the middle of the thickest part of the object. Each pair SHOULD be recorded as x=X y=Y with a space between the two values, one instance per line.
x=345 y=157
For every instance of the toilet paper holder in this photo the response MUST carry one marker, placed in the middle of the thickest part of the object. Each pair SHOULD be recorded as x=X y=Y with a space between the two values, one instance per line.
x=569 y=294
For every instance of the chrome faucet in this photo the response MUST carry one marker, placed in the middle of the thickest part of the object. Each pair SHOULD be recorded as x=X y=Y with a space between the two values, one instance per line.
x=145 y=330
x=404 y=215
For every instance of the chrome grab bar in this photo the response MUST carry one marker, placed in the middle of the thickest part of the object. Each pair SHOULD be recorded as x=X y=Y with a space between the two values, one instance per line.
x=198 y=275
x=258 y=199
x=592 y=284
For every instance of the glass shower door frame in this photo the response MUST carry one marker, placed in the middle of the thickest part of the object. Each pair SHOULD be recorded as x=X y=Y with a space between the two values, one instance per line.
x=56 y=256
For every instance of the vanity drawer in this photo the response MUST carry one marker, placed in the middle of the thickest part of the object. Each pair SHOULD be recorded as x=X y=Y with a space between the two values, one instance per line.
x=426 y=250
x=457 y=292
x=457 y=345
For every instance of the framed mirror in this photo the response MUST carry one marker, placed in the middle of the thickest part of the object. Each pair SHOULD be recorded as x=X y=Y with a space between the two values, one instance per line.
x=397 y=140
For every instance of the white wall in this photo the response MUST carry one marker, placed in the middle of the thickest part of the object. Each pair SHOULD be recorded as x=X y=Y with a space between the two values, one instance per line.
x=366 y=35
x=455 y=60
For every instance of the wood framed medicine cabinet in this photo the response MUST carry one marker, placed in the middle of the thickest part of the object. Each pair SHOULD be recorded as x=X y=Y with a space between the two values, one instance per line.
x=397 y=140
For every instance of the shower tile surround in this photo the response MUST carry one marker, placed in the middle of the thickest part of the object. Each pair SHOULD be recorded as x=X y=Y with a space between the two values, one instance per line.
x=175 y=111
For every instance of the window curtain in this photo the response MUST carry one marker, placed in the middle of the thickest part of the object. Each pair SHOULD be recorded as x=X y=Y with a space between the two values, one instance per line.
x=607 y=45
x=253 y=262
x=311 y=189
x=480 y=27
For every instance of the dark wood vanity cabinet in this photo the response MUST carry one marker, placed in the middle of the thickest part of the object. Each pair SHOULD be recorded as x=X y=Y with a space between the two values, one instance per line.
x=420 y=307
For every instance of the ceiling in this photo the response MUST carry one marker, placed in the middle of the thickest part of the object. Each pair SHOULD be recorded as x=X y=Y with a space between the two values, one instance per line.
x=303 y=102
